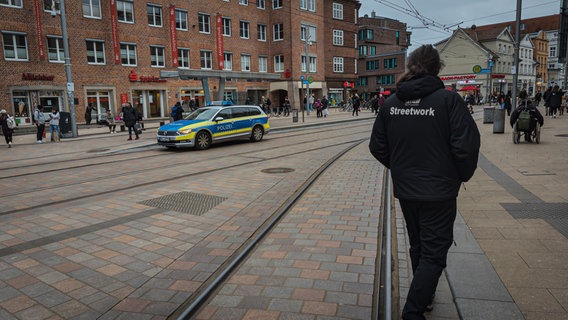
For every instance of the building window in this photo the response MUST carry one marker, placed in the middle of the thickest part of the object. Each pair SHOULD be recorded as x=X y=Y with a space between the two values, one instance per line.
x=55 y=52
x=390 y=63
x=206 y=59
x=183 y=58
x=262 y=64
x=313 y=64
x=157 y=56
x=337 y=11
x=227 y=27
x=244 y=2
x=261 y=32
x=261 y=4
x=552 y=51
x=245 y=62
x=50 y=6
x=128 y=54
x=91 y=8
x=15 y=46
x=276 y=4
x=372 y=50
x=279 y=63
x=11 y=3
x=228 y=61
x=154 y=15
x=373 y=65
x=308 y=32
x=337 y=37
x=278 y=30
x=204 y=21
x=181 y=20
x=309 y=5
x=366 y=34
x=385 y=79
x=125 y=10
x=95 y=52
x=338 y=64
x=362 y=51
x=245 y=32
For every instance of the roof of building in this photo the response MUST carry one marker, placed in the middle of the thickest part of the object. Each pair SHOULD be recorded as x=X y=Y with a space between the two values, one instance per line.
x=546 y=23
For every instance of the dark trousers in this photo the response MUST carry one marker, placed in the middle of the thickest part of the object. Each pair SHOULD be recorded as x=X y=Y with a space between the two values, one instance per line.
x=8 y=138
x=430 y=231
x=39 y=134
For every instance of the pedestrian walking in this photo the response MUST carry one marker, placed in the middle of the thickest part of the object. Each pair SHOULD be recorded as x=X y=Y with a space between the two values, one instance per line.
x=537 y=98
x=427 y=138
x=39 y=119
x=8 y=125
x=325 y=105
x=356 y=105
x=555 y=101
x=177 y=112
x=130 y=117
x=507 y=102
x=286 y=106
x=546 y=98
x=111 y=121
x=88 y=114
x=54 y=117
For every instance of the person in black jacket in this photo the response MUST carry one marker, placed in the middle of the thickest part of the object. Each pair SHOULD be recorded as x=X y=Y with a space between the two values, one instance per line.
x=526 y=105
x=425 y=135
x=555 y=101
x=130 y=117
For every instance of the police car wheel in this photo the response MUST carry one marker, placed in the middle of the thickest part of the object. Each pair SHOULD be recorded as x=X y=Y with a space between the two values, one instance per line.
x=202 y=140
x=257 y=134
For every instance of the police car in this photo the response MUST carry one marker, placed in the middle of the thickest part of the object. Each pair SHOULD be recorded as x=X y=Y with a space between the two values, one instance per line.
x=208 y=125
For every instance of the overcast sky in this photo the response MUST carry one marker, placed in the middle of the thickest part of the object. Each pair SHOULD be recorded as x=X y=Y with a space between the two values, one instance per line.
x=452 y=12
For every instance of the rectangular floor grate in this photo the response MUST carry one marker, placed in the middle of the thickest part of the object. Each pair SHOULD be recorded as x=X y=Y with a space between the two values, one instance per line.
x=186 y=202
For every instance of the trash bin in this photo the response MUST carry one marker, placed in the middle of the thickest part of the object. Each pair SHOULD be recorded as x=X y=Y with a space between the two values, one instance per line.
x=488 y=114
x=65 y=128
x=295 y=115
x=499 y=120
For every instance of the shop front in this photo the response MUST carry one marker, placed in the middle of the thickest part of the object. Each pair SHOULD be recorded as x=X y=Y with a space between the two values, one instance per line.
x=150 y=103
x=100 y=100
x=24 y=101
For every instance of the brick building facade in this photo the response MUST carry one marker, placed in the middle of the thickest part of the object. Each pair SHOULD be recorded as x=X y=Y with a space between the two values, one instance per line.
x=383 y=43
x=124 y=50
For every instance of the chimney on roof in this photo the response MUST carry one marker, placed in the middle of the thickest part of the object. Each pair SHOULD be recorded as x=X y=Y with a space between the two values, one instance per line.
x=473 y=27
x=373 y=15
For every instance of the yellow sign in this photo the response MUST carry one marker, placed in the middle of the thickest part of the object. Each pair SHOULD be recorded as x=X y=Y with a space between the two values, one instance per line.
x=476 y=68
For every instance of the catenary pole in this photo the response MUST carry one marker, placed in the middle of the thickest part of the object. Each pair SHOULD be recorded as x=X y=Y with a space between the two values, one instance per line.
x=516 y=63
x=70 y=85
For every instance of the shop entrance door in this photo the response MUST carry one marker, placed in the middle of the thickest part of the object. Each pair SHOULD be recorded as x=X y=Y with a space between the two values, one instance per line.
x=49 y=103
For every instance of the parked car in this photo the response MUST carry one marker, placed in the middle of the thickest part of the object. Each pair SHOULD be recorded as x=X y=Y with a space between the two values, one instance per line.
x=207 y=125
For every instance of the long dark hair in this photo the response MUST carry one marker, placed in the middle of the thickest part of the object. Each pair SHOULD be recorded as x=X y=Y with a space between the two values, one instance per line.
x=422 y=61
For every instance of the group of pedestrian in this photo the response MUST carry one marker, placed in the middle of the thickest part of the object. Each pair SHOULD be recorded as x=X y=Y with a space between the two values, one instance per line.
x=322 y=107
x=40 y=120
x=553 y=101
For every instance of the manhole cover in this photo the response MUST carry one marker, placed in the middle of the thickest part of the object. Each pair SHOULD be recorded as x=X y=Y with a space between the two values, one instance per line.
x=277 y=170
x=98 y=150
x=187 y=202
x=561 y=135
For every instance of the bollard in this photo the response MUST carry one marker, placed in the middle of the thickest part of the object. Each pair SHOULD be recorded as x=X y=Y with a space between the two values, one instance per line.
x=295 y=115
x=499 y=120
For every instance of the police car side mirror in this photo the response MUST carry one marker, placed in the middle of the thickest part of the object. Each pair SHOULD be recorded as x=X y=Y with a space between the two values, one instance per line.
x=217 y=119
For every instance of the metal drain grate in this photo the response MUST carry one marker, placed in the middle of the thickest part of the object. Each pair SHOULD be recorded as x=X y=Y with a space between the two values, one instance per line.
x=186 y=202
x=556 y=214
x=277 y=170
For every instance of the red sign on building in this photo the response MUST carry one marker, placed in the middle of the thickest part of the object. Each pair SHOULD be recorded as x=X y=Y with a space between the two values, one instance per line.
x=173 y=36
x=38 y=11
x=114 y=31
x=220 y=49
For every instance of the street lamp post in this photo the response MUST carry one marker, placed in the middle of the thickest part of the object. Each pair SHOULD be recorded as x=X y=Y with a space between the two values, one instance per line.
x=67 y=58
x=307 y=73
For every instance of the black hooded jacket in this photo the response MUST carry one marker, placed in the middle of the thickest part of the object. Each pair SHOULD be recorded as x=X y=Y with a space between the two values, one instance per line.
x=428 y=139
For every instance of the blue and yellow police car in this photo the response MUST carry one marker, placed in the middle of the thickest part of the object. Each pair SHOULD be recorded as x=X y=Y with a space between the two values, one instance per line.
x=208 y=125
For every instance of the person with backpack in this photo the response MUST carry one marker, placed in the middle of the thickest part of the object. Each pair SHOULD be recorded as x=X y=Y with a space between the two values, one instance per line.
x=526 y=105
x=8 y=125
x=177 y=112
x=39 y=119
